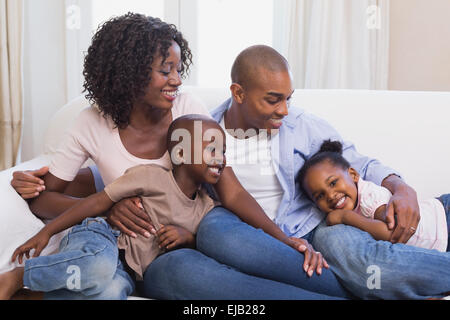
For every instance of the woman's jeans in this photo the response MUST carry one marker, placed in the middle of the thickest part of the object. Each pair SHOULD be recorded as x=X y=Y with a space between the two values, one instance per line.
x=236 y=261
x=87 y=266
x=379 y=269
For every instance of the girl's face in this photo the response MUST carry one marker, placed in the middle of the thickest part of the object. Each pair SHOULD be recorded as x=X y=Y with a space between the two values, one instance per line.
x=331 y=187
x=165 y=80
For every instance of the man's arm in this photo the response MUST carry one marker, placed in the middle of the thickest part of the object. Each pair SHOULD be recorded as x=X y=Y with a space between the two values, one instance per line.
x=404 y=206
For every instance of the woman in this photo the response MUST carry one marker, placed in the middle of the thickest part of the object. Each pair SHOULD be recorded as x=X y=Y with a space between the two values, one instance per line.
x=132 y=73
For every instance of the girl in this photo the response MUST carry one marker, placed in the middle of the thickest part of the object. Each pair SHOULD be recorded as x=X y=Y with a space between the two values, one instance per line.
x=337 y=189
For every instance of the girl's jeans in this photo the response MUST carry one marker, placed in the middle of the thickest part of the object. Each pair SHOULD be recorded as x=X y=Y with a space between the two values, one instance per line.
x=87 y=266
x=379 y=269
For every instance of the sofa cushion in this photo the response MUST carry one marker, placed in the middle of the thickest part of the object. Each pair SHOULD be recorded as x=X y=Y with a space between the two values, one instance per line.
x=17 y=222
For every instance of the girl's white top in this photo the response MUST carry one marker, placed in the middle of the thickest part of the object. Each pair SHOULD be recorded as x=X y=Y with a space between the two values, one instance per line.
x=431 y=232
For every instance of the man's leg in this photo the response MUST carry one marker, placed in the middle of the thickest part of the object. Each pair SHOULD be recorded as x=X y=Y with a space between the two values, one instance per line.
x=374 y=269
x=224 y=237
x=188 y=274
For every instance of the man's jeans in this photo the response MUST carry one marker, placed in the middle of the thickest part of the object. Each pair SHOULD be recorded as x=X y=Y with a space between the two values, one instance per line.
x=236 y=261
x=87 y=266
x=381 y=270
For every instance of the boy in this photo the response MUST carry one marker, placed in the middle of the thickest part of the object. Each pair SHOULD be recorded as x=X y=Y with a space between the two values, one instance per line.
x=173 y=199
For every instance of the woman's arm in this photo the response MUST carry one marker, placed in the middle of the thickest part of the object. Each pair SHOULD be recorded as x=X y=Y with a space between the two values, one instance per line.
x=59 y=195
x=52 y=201
x=377 y=228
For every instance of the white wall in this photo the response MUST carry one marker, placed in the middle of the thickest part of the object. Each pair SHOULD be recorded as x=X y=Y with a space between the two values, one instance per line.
x=44 y=70
x=419 y=45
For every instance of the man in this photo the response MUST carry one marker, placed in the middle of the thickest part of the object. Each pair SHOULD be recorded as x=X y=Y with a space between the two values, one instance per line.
x=261 y=89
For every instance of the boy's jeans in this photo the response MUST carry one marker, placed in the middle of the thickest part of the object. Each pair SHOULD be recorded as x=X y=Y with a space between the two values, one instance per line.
x=87 y=266
x=379 y=269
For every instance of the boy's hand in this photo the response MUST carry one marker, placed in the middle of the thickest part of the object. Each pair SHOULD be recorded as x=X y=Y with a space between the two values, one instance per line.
x=171 y=236
x=38 y=242
x=335 y=217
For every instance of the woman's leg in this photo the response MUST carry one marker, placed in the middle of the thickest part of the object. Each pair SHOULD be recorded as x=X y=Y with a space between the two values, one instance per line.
x=225 y=238
x=85 y=264
x=379 y=269
x=189 y=274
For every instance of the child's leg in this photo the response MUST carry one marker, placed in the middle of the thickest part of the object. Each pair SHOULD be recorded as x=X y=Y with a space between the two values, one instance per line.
x=86 y=262
x=445 y=199
x=119 y=288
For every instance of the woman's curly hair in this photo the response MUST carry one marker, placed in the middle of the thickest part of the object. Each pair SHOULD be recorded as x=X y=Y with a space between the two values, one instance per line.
x=117 y=67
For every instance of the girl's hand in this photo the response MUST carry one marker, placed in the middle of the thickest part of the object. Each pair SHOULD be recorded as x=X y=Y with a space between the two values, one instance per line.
x=170 y=237
x=335 y=217
x=313 y=259
x=28 y=183
x=129 y=217
x=38 y=242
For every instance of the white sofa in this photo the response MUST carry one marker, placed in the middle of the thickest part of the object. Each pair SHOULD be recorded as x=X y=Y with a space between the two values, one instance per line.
x=408 y=131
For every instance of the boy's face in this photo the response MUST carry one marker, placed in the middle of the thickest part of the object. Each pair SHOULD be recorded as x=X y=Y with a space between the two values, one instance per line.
x=331 y=187
x=213 y=160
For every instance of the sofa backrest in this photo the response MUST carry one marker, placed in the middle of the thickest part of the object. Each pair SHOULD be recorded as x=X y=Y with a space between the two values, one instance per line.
x=408 y=131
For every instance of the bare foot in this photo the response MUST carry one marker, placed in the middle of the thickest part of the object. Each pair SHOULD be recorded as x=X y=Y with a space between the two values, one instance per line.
x=11 y=282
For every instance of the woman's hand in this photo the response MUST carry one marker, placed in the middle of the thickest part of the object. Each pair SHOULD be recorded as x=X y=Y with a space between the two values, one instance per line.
x=38 y=242
x=170 y=237
x=129 y=217
x=313 y=259
x=28 y=183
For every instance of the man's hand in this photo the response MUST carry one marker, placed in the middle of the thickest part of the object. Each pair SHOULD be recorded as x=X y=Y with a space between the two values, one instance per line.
x=404 y=206
x=170 y=237
x=29 y=183
x=129 y=217
x=38 y=242
x=402 y=211
x=313 y=259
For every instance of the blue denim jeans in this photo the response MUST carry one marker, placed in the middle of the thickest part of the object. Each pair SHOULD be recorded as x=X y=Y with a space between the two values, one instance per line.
x=236 y=261
x=381 y=270
x=445 y=200
x=87 y=266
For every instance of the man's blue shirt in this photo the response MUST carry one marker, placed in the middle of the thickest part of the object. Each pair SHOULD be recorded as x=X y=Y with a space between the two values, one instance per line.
x=299 y=138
